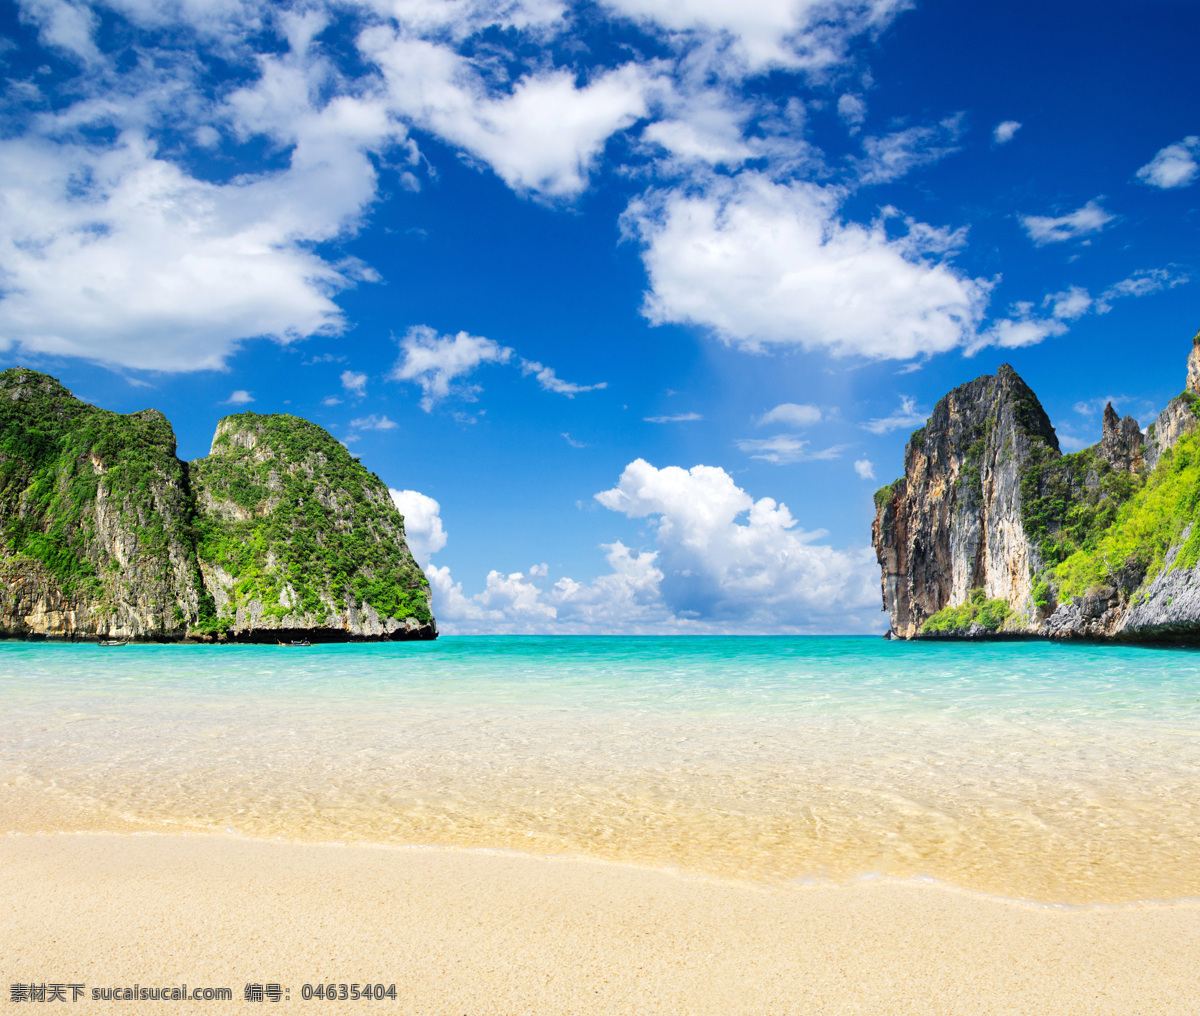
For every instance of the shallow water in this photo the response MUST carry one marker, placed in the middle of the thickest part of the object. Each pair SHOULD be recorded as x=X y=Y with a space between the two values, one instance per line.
x=1052 y=772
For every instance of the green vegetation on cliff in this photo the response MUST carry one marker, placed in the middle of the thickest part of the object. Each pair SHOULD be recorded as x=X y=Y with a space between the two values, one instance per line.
x=958 y=620
x=1068 y=501
x=1144 y=528
x=59 y=457
x=300 y=526
x=103 y=530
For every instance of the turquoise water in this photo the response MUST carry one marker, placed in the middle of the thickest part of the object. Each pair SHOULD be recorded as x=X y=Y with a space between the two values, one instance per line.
x=1061 y=772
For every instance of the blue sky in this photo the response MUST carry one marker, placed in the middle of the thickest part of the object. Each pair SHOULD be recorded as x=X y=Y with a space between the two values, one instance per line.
x=633 y=304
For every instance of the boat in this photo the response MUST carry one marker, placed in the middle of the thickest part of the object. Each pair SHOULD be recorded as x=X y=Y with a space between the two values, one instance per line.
x=295 y=644
x=113 y=642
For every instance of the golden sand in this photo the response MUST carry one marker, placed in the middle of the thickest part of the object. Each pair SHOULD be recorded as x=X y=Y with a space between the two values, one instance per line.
x=470 y=932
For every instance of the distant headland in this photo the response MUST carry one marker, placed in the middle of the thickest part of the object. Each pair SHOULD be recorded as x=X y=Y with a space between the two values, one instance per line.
x=993 y=532
x=279 y=534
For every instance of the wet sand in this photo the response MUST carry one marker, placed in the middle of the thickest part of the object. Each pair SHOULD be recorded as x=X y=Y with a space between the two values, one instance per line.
x=476 y=932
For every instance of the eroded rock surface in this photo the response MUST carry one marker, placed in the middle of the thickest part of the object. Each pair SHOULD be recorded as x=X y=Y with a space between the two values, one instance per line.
x=105 y=533
x=989 y=512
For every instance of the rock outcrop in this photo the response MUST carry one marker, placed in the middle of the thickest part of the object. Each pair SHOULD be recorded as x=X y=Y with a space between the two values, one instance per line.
x=993 y=532
x=296 y=536
x=953 y=523
x=105 y=533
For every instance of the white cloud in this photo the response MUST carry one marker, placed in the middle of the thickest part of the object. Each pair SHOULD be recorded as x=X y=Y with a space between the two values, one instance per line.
x=550 y=381
x=241 y=397
x=625 y=600
x=762 y=263
x=1173 y=166
x=113 y=254
x=353 y=382
x=701 y=124
x=66 y=26
x=1022 y=328
x=423 y=530
x=678 y=418
x=790 y=414
x=865 y=469
x=722 y=561
x=542 y=136
x=1044 y=229
x=435 y=362
x=893 y=155
x=1070 y=304
x=724 y=555
x=572 y=442
x=1005 y=131
x=331 y=400
x=1141 y=283
x=1025 y=328
x=852 y=110
x=374 y=422
x=908 y=415
x=112 y=251
x=784 y=448
x=808 y=34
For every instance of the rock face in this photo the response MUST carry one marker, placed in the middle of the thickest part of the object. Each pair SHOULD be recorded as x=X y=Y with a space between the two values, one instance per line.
x=953 y=523
x=1121 y=445
x=104 y=532
x=296 y=536
x=993 y=532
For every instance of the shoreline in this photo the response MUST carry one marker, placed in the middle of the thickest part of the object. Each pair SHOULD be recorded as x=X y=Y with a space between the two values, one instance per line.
x=480 y=932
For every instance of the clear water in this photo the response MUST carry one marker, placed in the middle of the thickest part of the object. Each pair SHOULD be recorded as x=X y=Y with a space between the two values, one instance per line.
x=1053 y=772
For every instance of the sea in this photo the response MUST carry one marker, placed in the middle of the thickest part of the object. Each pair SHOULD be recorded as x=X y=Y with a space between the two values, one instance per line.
x=1059 y=773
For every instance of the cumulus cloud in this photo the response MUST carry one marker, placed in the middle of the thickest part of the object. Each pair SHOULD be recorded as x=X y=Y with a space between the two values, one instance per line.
x=1044 y=229
x=354 y=382
x=1070 y=304
x=763 y=263
x=241 y=397
x=865 y=469
x=112 y=254
x=1173 y=166
x=1021 y=328
x=700 y=124
x=550 y=381
x=725 y=555
x=908 y=415
x=790 y=414
x=436 y=362
x=541 y=136
x=721 y=561
x=423 y=530
x=1005 y=131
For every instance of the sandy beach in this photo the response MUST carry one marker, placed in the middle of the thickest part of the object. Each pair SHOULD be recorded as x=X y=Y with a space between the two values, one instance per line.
x=471 y=932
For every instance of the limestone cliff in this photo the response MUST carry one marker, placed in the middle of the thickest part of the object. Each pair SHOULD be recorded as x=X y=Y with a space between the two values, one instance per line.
x=992 y=531
x=953 y=523
x=105 y=533
x=296 y=536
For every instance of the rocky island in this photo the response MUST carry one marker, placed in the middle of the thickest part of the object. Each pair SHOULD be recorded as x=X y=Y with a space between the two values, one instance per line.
x=278 y=534
x=992 y=532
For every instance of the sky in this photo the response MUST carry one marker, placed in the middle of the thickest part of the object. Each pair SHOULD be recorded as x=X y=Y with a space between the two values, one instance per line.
x=632 y=304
